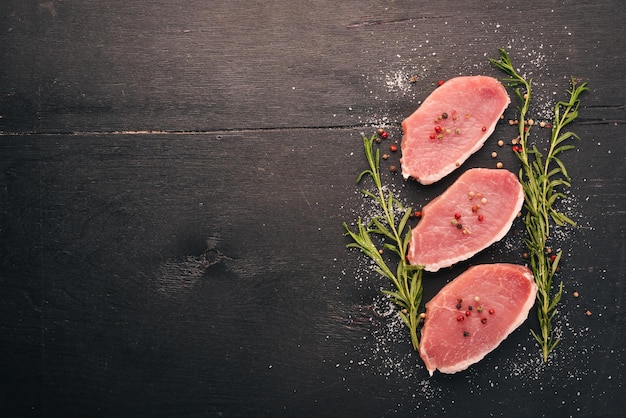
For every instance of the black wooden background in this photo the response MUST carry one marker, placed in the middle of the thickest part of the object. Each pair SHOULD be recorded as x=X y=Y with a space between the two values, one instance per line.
x=173 y=181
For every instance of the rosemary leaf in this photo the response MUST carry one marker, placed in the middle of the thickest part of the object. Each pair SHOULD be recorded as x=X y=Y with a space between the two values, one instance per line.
x=542 y=176
x=407 y=279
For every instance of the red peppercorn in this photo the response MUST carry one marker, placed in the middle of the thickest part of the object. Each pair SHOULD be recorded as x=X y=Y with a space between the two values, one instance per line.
x=460 y=318
x=492 y=311
x=432 y=136
x=468 y=313
x=384 y=134
x=484 y=128
x=393 y=148
x=484 y=320
x=437 y=128
x=481 y=218
x=440 y=83
x=457 y=216
x=552 y=257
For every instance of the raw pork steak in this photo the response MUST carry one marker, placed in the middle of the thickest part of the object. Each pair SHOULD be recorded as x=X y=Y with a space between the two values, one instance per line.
x=473 y=314
x=473 y=213
x=451 y=124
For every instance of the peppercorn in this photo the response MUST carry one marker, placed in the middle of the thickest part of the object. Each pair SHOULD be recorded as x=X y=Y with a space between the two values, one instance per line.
x=393 y=169
x=484 y=320
x=459 y=226
x=444 y=115
x=465 y=334
x=440 y=83
x=393 y=148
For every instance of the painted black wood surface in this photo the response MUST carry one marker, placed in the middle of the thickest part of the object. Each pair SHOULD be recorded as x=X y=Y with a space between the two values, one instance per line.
x=173 y=181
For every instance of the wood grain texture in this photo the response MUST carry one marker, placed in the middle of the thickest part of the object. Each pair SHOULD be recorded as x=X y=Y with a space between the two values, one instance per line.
x=173 y=182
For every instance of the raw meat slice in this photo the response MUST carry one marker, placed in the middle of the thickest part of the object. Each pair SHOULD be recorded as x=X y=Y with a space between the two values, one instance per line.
x=473 y=314
x=451 y=124
x=474 y=212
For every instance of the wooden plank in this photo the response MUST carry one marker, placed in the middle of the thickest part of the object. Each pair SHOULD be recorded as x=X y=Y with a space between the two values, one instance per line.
x=191 y=274
x=135 y=66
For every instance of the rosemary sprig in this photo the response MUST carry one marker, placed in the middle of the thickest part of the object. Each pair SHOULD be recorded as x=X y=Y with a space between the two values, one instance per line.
x=541 y=177
x=407 y=279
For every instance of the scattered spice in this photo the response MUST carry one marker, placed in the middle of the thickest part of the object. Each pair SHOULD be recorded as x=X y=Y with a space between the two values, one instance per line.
x=484 y=320
x=484 y=128
x=499 y=165
x=444 y=115
x=385 y=156
x=440 y=83
x=393 y=169
x=465 y=334
x=460 y=318
x=481 y=218
x=500 y=143
x=393 y=148
x=575 y=294
x=494 y=154
x=479 y=309
x=459 y=226
x=468 y=313
x=492 y=311
x=588 y=312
